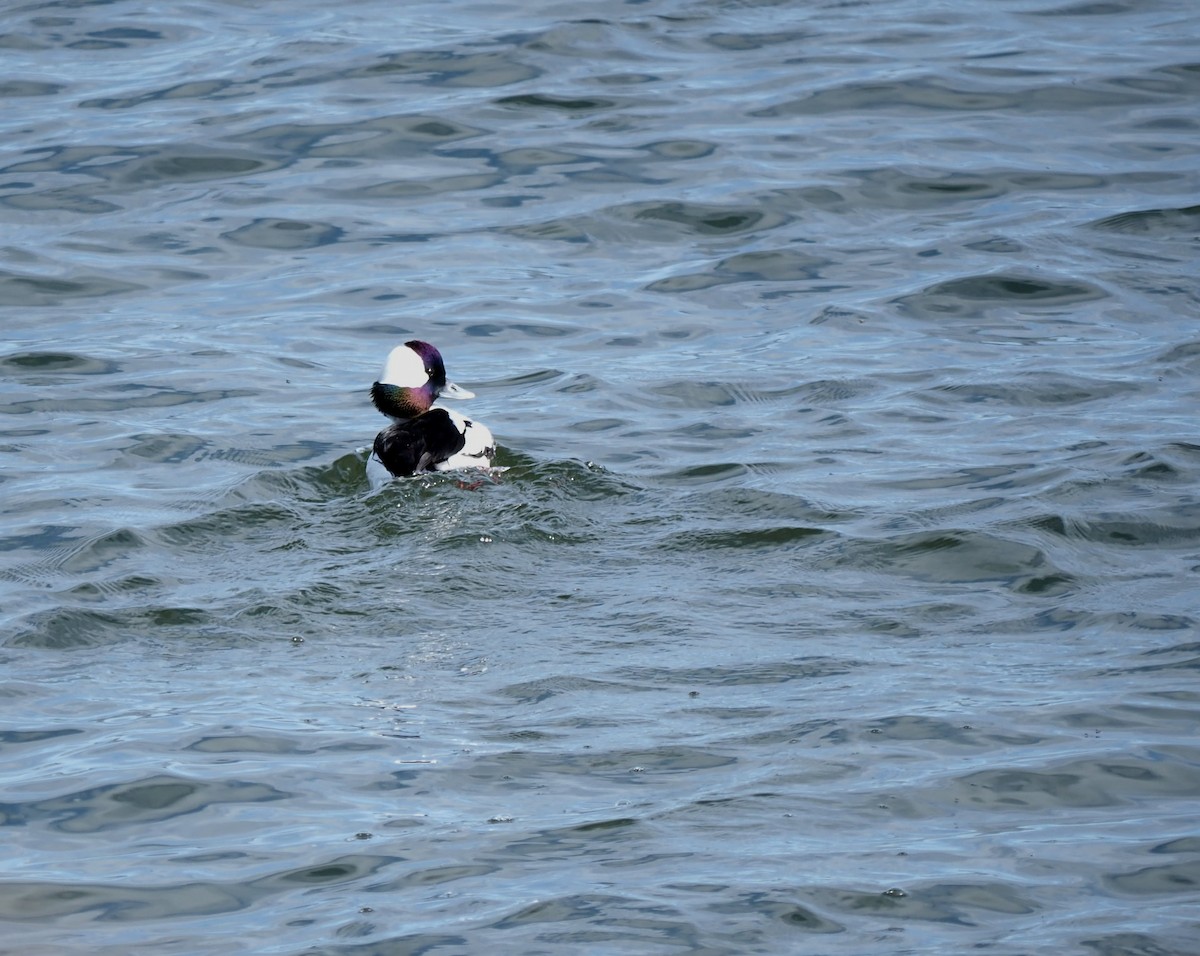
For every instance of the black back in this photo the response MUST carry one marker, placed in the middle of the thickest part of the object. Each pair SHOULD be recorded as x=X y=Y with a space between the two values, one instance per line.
x=418 y=444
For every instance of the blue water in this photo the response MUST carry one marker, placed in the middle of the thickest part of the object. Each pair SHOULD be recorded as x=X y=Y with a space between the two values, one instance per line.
x=839 y=593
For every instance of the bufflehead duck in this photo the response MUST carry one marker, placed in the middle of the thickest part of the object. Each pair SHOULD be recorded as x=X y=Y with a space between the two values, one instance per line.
x=422 y=437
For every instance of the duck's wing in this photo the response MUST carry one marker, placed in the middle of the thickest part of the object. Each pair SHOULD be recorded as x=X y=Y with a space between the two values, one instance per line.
x=418 y=444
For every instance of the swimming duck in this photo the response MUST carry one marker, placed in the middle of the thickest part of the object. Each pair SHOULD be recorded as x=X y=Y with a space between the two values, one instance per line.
x=422 y=437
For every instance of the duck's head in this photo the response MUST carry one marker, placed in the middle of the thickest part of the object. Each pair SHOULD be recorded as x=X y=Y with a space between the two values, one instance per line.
x=413 y=378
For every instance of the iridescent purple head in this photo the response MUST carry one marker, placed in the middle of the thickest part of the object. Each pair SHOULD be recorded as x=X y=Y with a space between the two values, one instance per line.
x=413 y=377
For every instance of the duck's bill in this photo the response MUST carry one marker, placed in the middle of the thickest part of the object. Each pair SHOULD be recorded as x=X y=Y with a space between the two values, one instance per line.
x=456 y=391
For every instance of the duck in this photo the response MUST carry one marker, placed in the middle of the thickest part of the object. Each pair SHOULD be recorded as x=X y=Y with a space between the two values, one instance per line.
x=423 y=437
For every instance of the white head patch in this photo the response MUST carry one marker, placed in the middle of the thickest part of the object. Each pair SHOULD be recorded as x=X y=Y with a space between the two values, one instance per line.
x=404 y=368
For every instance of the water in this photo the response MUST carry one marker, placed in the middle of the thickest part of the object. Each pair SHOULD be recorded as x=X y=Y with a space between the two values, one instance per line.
x=839 y=596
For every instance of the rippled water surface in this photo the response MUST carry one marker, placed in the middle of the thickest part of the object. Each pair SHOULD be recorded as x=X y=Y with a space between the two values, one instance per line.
x=840 y=594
